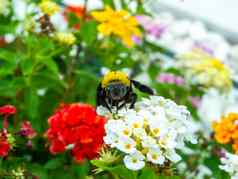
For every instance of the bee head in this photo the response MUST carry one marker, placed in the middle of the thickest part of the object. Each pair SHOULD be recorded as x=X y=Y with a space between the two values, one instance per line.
x=116 y=90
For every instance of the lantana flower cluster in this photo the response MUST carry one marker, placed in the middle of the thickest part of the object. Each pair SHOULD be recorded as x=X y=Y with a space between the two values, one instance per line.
x=78 y=128
x=49 y=7
x=119 y=23
x=226 y=130
x=151 y=132
x=203 y=69
x=230 y=165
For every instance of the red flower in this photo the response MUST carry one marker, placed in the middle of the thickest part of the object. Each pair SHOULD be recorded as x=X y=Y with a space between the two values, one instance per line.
x=4 y=148
x=78 y=11
x=4 y=145
x=27 y=130
x=77 y=127
x=7 y=110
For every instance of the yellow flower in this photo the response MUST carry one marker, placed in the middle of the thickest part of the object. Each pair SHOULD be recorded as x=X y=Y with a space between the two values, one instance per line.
x=206 y=70
x=226 y=130
x=65 y=38
x=118 y=23
x=48 y=7
x=115 y=76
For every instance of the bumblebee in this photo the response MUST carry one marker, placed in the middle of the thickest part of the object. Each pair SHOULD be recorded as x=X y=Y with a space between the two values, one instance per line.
x=116 y=91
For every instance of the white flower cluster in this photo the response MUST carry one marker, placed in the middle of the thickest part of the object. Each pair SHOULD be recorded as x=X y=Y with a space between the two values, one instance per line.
x=230 y=165
x=151 y=132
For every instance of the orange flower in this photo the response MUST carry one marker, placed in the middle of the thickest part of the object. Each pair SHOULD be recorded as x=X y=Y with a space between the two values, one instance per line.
x=235 y=147
x=223 y=137
x=226 y=130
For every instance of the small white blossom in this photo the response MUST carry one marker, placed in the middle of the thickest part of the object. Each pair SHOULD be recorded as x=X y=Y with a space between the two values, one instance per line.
x=126 y=145
x=230 y=165
x=134 y=161
x=155 y=156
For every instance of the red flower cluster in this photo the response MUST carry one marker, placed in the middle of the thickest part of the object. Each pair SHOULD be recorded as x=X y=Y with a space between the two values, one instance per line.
x=4 y=145
x=7 y=110
x=76 y=126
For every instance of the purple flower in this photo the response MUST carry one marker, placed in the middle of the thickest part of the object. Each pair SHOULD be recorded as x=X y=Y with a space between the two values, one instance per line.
x=151 y=26
x=137 y=40
x=204 y=48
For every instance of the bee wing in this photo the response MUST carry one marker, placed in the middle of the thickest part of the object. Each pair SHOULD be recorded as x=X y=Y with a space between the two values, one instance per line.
x=142 y=87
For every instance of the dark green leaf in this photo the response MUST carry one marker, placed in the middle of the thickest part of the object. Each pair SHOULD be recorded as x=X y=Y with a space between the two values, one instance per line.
x=88 y=31
x=54 y=163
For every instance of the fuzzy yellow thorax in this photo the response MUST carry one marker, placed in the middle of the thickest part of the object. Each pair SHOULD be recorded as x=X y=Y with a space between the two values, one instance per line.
x=115 y=76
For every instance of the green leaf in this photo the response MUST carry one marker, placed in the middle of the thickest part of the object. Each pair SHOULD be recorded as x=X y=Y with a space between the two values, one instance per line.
x=8 y=27
x=123 y=172
x=51 y=65
x=38 y=171
x=45 y=79
x=88 y=31
x=31 y=100
x=100 y=164
x=81 y=170
x=120 y=170
x=27 y=66
x=54 y=163
x=148 y=173
x=7 y=88
x=109 y=2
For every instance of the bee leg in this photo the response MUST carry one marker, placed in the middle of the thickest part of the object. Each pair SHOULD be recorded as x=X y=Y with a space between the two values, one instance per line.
x=133 y=99
x=122 y=105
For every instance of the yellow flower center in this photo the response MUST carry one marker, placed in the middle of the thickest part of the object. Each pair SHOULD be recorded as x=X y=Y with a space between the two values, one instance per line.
x=128 y=146
x=145 y=150
x=136 y=125
x=154 y=156
x=126 y=132
x=156 y=131
x=134 y=160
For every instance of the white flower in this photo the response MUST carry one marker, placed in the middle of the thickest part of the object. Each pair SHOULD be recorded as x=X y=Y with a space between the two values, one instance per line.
x=126 y=145
x=111 y=139
x=134 y=161
x=148 y=142
x=230 y=165
x=140 y=133
x=135 y=121
x=155 y=156
x=172 y=156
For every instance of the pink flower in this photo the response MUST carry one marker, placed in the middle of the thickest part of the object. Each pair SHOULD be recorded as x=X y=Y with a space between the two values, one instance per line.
x=170 y=78
x=27 y=130
x=179 y=81
x=196 y=101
